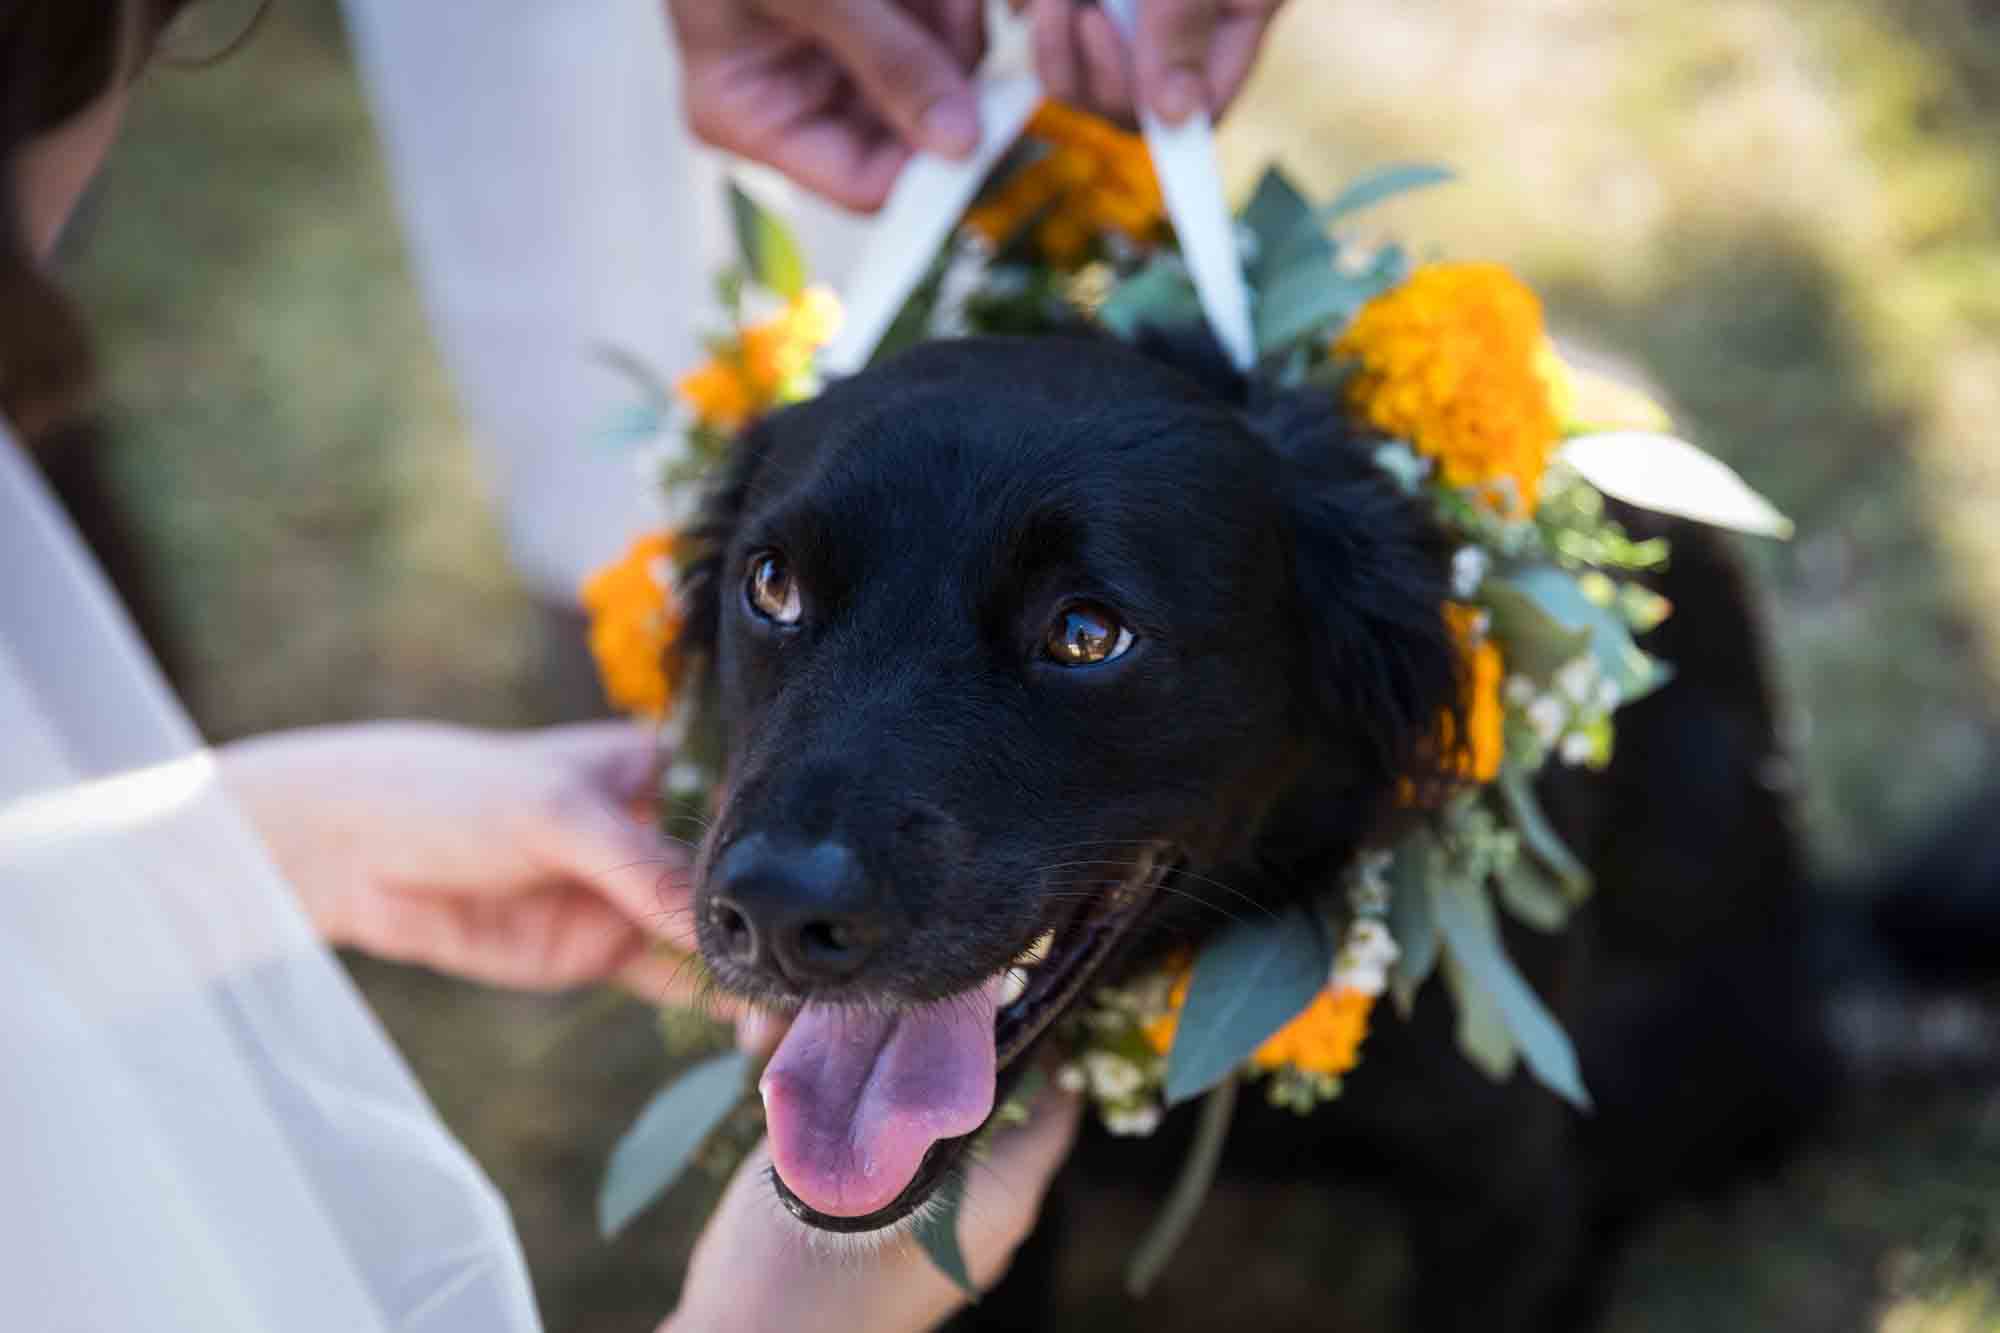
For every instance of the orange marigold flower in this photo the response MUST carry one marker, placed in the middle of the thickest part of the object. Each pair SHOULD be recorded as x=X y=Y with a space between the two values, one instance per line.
x=1452 y=361
x=1477 y=756
x=765 y=365
x=1325 y=1037
x=1094 y=178
x=634 y=619
x=718 y=392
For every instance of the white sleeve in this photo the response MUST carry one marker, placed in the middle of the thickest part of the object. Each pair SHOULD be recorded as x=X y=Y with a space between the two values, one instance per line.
x=553 y=203
x=204 y=1126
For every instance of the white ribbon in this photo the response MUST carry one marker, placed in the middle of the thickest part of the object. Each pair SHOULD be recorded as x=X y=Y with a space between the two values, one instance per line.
x=932 y=194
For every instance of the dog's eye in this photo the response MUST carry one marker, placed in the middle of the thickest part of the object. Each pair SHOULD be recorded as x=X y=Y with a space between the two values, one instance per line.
x=1086 y=634
x=771 y=590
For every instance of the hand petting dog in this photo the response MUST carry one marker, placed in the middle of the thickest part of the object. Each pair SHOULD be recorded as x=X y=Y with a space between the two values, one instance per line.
x=513 y=859
x=838 y=95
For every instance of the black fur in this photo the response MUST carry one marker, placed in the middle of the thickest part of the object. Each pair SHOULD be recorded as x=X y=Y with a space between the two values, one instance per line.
x=1290 y=662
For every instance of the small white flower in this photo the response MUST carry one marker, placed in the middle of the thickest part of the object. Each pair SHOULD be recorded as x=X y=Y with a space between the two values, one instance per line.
x=1468 y=571
x=1547 y=716
x=683 y=779
x=1578 y=678
x=1132 y=1121
x=1369 y=979
x=1608 y=694
x=1071 y=1079
x=1518 y=691
x=1112 y=1077
x=1577 y=748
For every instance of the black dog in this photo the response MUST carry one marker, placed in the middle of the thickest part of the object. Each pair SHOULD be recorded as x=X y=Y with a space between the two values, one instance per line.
x=1051 y=637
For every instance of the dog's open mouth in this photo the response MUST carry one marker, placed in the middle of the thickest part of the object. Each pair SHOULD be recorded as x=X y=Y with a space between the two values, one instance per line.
x=869 y=1111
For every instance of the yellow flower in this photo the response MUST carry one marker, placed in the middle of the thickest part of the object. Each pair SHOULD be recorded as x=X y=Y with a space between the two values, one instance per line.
x=1477 y=756
x=634 y=620
x=719 y=393
x=1452 y=361
x=1325 y=1037
x=765 y=365
x=1094 y=178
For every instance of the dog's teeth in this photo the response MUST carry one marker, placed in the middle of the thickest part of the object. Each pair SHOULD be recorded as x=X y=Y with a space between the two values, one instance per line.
x=1013 y=986
x=1038 y=952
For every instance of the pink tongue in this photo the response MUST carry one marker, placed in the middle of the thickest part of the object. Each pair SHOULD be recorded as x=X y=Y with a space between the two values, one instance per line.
x=853 y=1100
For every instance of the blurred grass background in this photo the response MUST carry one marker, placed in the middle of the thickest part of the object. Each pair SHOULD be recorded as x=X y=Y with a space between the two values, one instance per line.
x=1786 y=213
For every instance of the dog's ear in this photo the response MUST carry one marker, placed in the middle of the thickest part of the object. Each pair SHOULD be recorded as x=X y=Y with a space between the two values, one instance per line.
x=708 y=538
x=1372 y=570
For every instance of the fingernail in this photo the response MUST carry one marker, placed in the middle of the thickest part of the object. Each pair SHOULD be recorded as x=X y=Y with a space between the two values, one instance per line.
x=951 y=126
x=1180 y=97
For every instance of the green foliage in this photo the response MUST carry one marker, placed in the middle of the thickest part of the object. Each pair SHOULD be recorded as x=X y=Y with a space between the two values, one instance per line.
x=1190 y=1189
x=1524 y=814
x=1159 y=294
x=770 y=252
x=1559 y=596
x=1251 y=979
x=1493 y=997
x=936 y=1229
x=666 y=1136
x=1416 y=863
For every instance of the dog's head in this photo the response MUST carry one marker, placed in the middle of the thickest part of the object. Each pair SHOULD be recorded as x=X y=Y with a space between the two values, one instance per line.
x=1018 y=642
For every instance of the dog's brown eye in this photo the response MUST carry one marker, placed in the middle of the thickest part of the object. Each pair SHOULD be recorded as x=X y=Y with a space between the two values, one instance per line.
x=772 y=591
x=1085 y=635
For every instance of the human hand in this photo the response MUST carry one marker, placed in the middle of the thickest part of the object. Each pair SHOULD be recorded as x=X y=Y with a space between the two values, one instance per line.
x=756 y=1268
x=511 y=858
x=1187 y=55
x=834 y=93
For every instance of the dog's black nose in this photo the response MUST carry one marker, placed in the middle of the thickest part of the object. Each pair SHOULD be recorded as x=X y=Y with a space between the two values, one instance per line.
x=806 y=915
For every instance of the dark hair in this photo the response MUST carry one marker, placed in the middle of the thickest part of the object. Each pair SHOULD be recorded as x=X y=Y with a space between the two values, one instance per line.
x=56 y=58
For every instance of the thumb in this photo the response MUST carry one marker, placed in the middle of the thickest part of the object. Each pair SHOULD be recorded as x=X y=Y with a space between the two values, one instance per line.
x=1172 y=52
x=906 y=72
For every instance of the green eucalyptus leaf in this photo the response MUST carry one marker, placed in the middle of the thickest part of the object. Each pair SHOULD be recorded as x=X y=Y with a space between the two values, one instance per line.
x=1471 y=934
x=1161 y=295
x=936 y=1229
x=1189 y=1192
x=1380 y=184
x=658 y=393
x=1251 y=979
x=1537 y=644
x=1531 y=897
x=1482 y=1034
x=770 y=252
x=666 y=1136
x=1670 y=476
x=1558 y=594
x=1524 y=812
x=1410 y=920
x=1303 y=300
x=1276 y=211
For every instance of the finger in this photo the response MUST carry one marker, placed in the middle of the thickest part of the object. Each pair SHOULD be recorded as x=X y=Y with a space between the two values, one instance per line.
x=906 y=73
x=582 y=834
x=1006 y=1196
x=851 y=162
x=1171 y=56
x=962 y=25
x=1106 y=65
x=1233 y=54
x=1053 y=36
x=621 y=757
x=664 y=977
